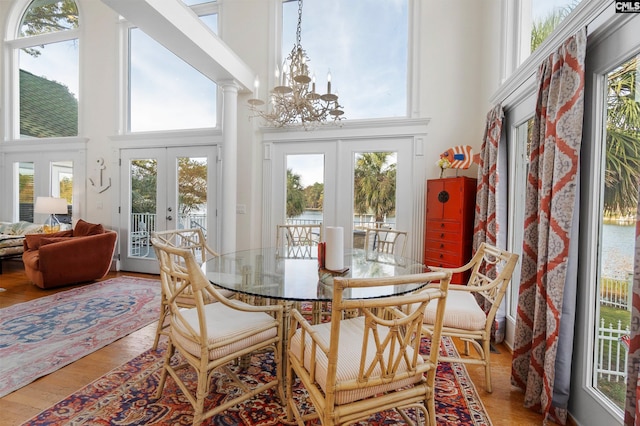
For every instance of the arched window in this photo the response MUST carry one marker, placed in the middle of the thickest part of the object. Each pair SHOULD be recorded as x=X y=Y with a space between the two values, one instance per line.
x=45 y=64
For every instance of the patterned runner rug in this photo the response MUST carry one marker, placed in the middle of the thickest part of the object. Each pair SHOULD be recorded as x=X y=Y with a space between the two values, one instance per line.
x=43 y=335
x=125 y=396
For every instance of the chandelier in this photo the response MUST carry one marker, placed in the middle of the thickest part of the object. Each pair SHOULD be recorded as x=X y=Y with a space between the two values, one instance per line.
x=294 y=99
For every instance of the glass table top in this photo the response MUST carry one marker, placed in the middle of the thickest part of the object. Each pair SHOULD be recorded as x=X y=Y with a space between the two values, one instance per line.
x=261 y=272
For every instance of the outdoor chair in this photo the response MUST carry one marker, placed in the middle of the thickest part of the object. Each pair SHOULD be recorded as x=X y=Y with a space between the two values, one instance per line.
x=195 y=241
x=385 y=240
x=471 y=308
x=298 y=241
x=210 y=336
x=355 y=367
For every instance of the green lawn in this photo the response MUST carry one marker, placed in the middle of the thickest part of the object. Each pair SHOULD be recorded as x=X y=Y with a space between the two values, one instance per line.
x=614 y=390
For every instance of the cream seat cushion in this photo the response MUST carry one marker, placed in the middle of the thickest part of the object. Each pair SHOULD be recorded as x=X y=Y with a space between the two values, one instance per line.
x=350 y=347
x=461 y=311
x=223 y=323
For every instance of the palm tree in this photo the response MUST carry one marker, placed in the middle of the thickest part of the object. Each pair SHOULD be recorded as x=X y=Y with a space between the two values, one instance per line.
x=375 y=185
x=622 y=170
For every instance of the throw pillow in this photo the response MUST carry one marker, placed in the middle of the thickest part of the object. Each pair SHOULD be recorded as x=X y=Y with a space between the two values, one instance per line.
x=50 y=240
x=34 y=241
x=83 y=229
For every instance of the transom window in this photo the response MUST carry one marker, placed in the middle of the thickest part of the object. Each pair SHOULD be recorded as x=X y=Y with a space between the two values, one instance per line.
x=363 y=44
x=166 y=93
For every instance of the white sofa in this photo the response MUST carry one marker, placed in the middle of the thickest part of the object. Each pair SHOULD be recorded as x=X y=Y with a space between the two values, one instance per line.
x=12 y=238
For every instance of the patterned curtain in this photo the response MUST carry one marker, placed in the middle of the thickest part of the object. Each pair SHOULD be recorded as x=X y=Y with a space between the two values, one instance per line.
x=632 y=406
x=486 y=226
x=546 y=305
x=490 y=211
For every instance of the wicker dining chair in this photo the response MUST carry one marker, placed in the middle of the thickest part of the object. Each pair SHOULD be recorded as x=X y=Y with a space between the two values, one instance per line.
x=195 y=241
x=210 y=336
x=355 y=367
x=385 y=240
x=471 y=308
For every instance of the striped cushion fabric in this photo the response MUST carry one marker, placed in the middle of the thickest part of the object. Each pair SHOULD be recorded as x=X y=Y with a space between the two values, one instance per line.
x=350 y=346
x=462 y=311
x=222 y=323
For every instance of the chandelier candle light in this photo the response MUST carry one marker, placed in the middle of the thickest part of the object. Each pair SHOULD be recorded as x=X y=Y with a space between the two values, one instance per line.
x=294 y=99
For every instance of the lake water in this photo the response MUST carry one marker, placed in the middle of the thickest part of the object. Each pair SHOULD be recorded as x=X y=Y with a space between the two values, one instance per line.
x=618 y=243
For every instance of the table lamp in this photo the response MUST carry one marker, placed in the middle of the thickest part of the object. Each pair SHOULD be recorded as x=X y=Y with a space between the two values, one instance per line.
x=51 y=206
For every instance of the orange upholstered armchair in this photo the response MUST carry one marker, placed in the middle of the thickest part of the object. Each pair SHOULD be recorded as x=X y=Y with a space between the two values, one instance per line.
x=68 y=257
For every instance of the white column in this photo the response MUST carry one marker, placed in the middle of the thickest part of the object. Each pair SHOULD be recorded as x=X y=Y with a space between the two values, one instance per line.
x=229 y=165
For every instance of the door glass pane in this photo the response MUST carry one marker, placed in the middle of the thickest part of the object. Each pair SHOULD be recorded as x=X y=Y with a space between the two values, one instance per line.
x=192 y=193
x=305 y=189
x=62 y=186
x=25 y=196
x=617 y=238
x=144 y=175
x=374 y=192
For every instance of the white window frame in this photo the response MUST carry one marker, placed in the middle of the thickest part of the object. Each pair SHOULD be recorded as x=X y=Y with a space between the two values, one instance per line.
x=125 y=46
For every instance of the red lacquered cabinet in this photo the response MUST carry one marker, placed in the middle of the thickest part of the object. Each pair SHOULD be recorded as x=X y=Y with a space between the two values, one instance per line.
x=450 y=213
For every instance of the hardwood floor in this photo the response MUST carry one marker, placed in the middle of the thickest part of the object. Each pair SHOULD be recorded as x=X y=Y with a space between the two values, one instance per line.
x=504 y=405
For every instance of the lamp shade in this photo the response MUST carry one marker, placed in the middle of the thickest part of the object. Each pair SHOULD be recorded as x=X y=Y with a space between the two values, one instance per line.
x=50 y=205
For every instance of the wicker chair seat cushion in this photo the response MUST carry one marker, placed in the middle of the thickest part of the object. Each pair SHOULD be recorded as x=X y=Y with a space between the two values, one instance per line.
x=461 y=311
x=350 y=348
x=223 y=323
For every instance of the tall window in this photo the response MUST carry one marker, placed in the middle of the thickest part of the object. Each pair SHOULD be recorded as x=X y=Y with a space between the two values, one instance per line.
x=166 y=93
x=363 y=44
x=48 y=64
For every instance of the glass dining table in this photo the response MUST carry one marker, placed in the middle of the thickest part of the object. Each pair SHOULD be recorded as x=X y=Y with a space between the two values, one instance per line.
x=263 y=273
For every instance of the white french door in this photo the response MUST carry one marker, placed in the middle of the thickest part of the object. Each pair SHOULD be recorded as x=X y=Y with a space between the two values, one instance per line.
x=337 y=161
x=164 y=188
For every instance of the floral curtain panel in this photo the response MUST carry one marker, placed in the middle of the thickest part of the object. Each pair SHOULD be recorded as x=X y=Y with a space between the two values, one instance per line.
x=546 y=305
x=632 y=406
x=491 y=197
x=486 y=226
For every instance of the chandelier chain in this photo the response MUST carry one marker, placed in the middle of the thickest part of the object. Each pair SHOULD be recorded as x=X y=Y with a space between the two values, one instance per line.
x=294 y=99
x=299 y=28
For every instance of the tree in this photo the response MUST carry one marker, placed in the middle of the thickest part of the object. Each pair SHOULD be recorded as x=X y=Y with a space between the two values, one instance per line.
x=314 y=196
x=622 y=169
x=192 y=184
x=143 y=186
x=541 y=30
x=47 y=18
x=295 y=195
x=375 y=185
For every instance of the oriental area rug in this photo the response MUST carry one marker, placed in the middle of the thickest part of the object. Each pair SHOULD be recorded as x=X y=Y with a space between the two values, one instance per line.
x=45 y=334
x=126 y=396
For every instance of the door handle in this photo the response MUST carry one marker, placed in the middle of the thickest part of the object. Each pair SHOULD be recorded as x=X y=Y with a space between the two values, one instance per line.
x=169 y=217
